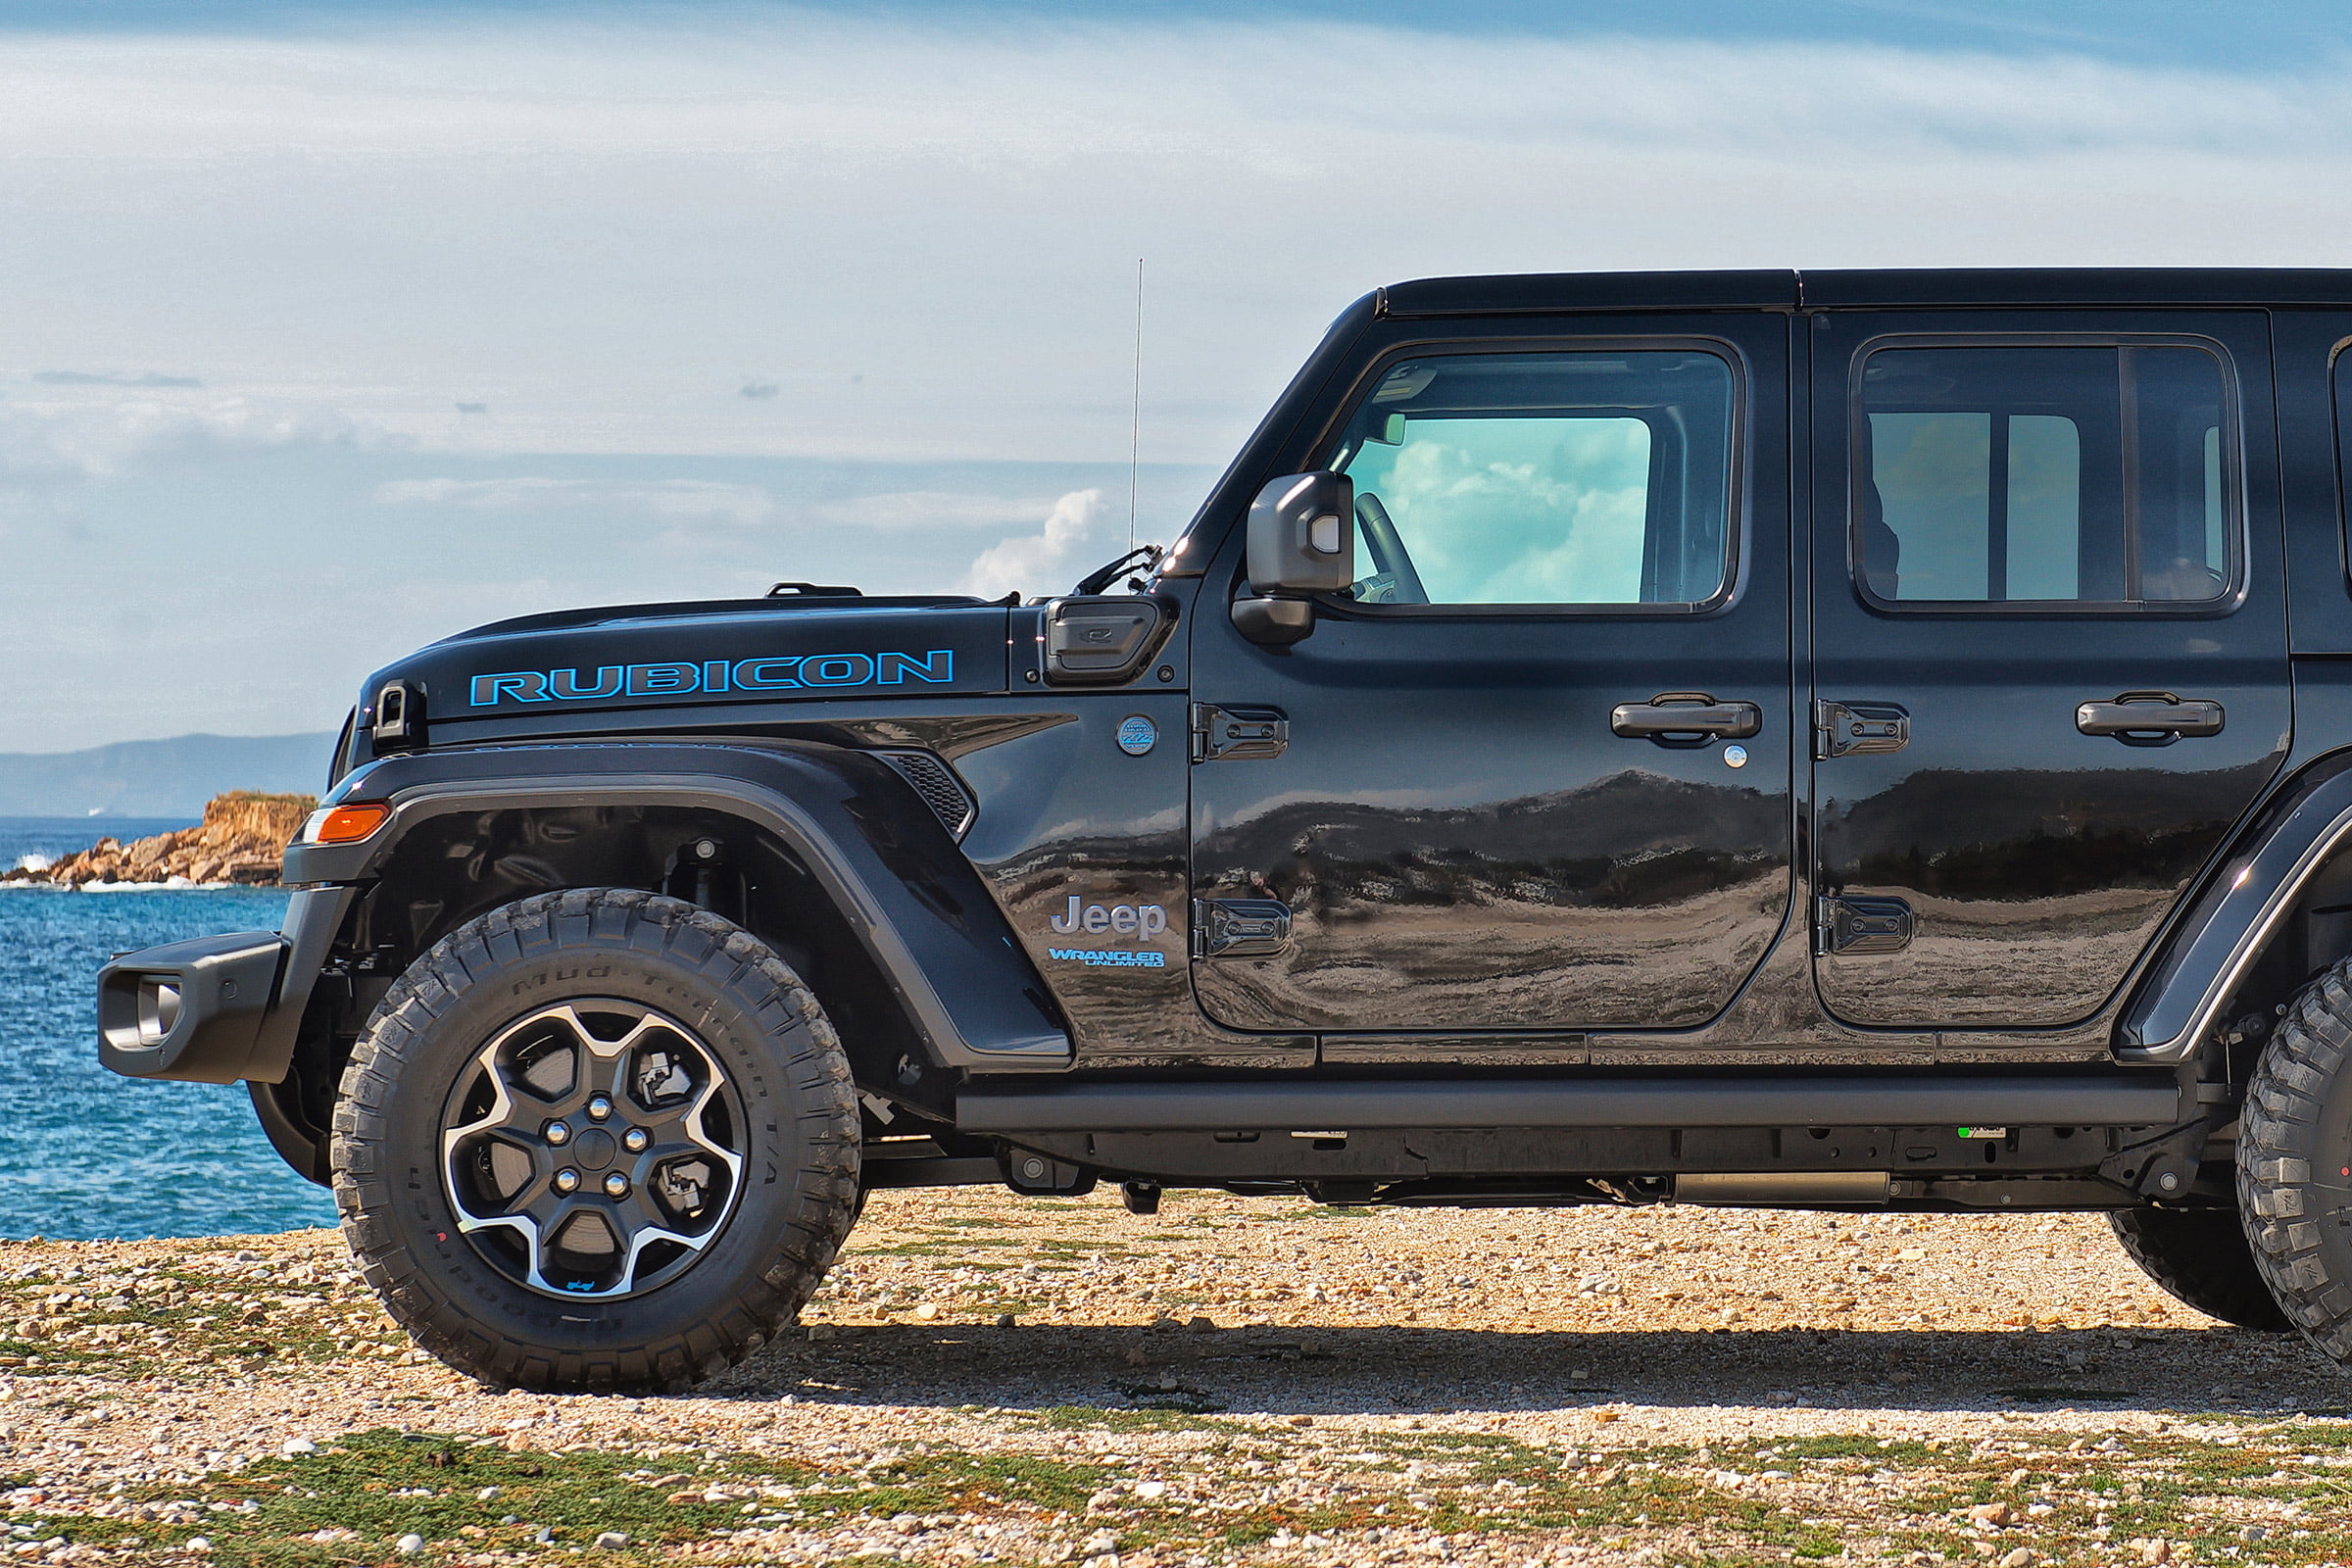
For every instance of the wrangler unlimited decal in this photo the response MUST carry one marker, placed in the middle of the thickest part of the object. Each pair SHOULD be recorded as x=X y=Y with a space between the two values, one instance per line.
x=680 y=678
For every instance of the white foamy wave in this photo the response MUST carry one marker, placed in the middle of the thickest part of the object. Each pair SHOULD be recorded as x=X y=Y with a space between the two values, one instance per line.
x=34 y=862
x=177 y=884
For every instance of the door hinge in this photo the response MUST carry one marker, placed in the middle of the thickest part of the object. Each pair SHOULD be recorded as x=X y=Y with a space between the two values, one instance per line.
x=1858 y=729
x=1861 y=925
x=1240 y=928
x=1238 y=734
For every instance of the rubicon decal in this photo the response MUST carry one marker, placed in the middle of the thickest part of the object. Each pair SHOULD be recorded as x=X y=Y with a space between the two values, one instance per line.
x=685 y=678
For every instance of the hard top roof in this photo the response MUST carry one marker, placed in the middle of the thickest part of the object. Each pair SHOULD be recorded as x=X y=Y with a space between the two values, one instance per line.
x=1547 y=293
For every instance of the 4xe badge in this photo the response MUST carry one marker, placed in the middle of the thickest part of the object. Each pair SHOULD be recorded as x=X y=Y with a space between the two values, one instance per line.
x=1137 y=734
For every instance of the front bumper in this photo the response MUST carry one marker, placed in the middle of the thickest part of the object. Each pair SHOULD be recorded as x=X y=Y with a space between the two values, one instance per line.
x=218 y=1009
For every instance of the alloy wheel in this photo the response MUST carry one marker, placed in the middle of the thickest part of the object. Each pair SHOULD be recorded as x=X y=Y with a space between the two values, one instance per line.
x=593 y=1148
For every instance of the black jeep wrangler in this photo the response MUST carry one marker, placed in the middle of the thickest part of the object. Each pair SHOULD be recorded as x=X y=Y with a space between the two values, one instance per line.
x=1832 y=740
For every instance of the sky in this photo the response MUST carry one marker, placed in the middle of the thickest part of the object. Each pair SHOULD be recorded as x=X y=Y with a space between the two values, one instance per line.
x=328 y=332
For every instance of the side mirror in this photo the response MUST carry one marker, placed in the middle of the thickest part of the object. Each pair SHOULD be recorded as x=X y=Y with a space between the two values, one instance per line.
x=1303 y=534
x=1301 y=541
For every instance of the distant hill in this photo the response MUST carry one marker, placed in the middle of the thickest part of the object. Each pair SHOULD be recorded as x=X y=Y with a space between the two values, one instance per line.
x=160 y=778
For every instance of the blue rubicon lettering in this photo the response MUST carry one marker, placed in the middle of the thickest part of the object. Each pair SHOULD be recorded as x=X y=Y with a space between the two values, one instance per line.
x=518 y=686
x=837 y=670
x=564 y=684
x=782 y=672
x=767 y=675
x=938 y=666
x=664 y=680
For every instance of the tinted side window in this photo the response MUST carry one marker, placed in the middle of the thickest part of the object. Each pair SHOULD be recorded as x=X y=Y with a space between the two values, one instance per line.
x=1591 y=479
x=2045 y=474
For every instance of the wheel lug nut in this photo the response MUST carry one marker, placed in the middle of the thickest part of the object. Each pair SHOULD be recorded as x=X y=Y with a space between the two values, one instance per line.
x=616 y=1186
x=566 y=1180
x=598 y=1107
x=557 y=1133
x=635 y=1140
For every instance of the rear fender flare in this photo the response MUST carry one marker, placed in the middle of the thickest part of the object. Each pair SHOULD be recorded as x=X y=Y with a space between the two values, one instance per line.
x=913 y=901
x=2236 y=914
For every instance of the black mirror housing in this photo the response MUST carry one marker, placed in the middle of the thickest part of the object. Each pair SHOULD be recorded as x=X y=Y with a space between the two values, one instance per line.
x=1302 y=535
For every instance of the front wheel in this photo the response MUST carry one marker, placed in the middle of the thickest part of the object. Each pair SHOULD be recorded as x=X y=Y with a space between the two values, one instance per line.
x=598 y=1139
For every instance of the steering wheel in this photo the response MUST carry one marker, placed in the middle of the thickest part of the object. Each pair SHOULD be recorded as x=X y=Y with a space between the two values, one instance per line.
x=1388 y=551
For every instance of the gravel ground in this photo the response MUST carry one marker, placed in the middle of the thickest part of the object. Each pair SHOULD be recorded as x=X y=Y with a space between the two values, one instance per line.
x=986 y=1378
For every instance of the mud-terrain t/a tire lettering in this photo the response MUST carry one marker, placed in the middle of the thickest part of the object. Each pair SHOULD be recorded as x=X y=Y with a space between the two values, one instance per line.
x=597 y=1139
x=2294 y=1162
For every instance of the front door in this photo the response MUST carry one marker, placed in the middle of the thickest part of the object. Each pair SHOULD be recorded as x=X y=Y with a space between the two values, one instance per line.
x=1531 y=772
x=2050 y=646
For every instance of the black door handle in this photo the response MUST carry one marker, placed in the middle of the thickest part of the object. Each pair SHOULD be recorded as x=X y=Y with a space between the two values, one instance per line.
x=2149 y=718
x=1685 y=718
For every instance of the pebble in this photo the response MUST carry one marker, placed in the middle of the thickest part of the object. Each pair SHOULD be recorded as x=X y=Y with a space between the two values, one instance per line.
x=1393 y=1346
x=611 y=1539
x=408 y=1546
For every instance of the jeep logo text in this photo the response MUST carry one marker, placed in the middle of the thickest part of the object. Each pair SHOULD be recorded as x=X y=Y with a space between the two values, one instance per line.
x=1145 y=920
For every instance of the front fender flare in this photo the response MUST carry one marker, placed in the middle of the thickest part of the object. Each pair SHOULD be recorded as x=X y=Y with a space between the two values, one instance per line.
x=915 y=903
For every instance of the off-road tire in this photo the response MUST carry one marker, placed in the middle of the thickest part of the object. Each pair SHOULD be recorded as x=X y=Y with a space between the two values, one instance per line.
x=795 y=1199
x=2201 y=1256
x=2294 y=1162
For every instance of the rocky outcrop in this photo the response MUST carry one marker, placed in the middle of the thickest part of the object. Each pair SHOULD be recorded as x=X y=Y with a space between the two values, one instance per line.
x=240 y=840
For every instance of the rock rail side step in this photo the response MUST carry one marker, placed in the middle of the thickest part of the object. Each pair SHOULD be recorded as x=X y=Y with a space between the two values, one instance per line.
x=2105 y=1100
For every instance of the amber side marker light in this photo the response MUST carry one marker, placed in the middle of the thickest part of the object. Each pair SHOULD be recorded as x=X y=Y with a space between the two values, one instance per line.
x=344 y=825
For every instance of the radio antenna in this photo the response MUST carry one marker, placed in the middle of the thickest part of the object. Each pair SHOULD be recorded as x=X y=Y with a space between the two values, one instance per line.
x=1135 y=422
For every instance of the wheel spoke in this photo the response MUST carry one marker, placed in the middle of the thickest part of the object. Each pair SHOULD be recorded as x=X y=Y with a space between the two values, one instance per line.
x=590 y=1149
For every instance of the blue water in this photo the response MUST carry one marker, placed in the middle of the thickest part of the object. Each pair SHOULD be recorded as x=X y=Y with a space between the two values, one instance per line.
x=85 y=1154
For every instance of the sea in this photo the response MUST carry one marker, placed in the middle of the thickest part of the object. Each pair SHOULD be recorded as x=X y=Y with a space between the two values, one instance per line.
x=85 y=1154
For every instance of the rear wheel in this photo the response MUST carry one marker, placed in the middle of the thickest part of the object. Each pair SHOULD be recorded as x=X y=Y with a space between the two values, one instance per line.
x=2201 y=1256
x=2294 y=1162
x=598 y=1139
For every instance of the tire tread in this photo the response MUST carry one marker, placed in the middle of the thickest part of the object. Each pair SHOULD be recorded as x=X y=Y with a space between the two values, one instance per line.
x=649 y=925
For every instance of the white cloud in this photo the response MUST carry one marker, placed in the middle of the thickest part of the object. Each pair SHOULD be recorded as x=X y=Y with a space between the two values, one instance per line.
x=925 y=236
x=907 y=510
x=1046 y=562
x=682 y=502
x=45 y=443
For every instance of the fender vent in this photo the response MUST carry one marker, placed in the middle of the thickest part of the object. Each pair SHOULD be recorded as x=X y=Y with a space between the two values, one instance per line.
x=939 y=786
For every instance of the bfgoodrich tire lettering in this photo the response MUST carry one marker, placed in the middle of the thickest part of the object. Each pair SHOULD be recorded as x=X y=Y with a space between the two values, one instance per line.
x=2294 y=1153
x=798 y=1141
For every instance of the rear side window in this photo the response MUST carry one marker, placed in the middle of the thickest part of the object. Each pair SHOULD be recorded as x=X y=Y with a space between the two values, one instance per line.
x=1599 y=480
x=2043 y=476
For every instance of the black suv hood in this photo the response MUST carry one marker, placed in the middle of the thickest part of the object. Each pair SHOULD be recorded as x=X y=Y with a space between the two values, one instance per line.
x=717 y=652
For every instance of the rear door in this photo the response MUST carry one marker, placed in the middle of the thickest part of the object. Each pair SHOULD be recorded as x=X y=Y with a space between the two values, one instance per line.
x=2050 y=646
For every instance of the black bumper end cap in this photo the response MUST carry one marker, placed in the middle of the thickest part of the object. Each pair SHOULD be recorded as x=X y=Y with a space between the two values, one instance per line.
x=189 y=1011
